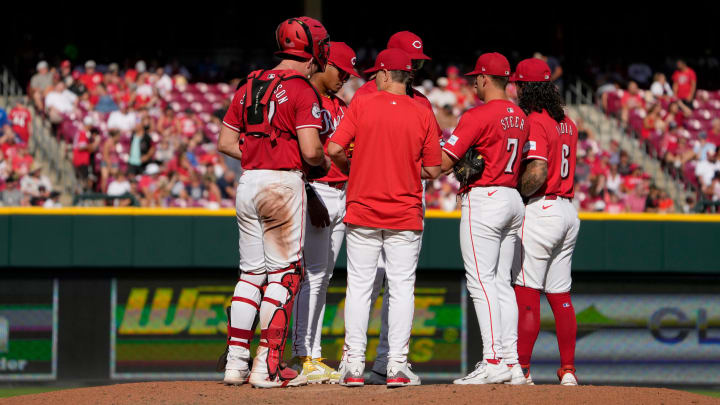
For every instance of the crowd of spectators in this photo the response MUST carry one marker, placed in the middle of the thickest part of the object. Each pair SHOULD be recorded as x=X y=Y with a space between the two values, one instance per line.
x=147 y=136
x=676 y=122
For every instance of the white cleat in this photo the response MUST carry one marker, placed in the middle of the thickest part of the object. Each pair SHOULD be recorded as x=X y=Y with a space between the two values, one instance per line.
x=401 y=375
x=517 y=376
x=286 y=377
x=351 y=373
x=236 y=377
x=486 y=373
x=567 y=377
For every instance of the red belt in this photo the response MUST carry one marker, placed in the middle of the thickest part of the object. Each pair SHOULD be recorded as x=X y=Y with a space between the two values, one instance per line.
x=334 y=184
x=551 y=197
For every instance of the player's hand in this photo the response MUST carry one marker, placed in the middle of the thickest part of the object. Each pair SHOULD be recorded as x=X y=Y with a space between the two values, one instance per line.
x=317 y=211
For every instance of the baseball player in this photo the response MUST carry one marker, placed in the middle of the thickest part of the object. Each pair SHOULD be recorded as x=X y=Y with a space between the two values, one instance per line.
x=325 y=229
x=278 y=113
x=413 y=46
x=395 y=145
x=492 y=212
x=551 y=223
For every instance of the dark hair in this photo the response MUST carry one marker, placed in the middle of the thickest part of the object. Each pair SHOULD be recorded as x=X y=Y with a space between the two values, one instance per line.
x=400 y=76
x=499 y=81
x=538 y=96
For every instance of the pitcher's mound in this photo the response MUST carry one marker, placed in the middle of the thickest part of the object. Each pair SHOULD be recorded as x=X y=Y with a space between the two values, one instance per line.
x=203 y=392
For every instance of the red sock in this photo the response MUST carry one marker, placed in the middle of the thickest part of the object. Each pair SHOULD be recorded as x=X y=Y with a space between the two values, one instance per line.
x=565 y=326
x=528 y=301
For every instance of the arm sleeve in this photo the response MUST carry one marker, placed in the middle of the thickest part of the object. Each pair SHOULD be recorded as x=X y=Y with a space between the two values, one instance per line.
x=536 y=145
x=431 y=155
x=463 y=137
x=233 y=116
x=307 y=110
x=345 y=132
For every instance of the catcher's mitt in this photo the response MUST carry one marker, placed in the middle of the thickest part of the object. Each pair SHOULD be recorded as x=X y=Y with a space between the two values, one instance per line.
x=469 y=167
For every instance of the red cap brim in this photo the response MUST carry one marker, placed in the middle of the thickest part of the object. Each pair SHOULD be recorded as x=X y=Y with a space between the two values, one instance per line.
x=349 y=69
x=371 y=70
x=419 y=55
x=473 y=73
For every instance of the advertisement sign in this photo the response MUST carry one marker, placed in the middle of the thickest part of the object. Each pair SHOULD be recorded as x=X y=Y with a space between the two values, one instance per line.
x=178 y=329
x=637 y=339
x=28 y=330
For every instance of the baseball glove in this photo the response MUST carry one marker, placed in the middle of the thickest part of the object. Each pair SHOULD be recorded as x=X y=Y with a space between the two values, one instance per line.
x=469 y=167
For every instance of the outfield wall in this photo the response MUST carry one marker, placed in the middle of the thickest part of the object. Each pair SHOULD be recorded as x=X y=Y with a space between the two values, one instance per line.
x=132 y=294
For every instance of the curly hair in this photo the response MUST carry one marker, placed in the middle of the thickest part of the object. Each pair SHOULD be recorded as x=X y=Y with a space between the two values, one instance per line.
x=538 y=96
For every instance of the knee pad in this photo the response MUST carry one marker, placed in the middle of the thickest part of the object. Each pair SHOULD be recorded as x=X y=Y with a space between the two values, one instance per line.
x=281 y=290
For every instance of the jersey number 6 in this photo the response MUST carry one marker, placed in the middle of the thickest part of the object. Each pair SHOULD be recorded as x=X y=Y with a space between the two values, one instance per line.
x=565 y=165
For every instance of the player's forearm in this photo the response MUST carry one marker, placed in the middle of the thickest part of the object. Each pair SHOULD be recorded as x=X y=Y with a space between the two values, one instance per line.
x=338 y=157
x=448 y=162
x=534 y=177
x=430 y=173
x=228 y=143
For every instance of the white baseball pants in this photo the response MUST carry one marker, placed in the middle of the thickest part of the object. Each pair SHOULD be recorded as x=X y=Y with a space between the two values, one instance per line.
x=322 y=246
x=490 y=222
x=364 y=246
x=548 y=236
x=271 y=209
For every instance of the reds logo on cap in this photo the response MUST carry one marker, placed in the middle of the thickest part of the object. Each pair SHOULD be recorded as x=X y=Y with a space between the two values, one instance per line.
x=417 y=44
x=353 y=60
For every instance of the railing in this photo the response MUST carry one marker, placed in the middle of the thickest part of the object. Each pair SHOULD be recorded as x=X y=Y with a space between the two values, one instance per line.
x=581 y=93
x=43 y=144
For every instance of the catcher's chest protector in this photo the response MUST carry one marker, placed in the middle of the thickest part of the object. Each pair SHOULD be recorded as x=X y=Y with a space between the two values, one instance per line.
x=259 y=108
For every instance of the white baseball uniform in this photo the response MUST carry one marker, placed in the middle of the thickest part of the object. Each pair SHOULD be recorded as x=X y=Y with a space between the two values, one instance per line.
x=492 y=212
x=322 y=245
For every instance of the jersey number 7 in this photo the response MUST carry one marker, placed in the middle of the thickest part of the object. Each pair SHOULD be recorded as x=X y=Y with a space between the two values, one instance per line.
x=512 y=144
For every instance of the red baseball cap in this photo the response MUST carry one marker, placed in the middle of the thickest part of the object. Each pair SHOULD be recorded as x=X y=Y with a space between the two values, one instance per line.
x=531 y=70
x=392 y=59
x=493 y=64
x=65 y=63
x=408 y=42
x=343 y=57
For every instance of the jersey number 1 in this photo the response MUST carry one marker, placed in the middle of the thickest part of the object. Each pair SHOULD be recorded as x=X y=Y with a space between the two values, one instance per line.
x=512 y=145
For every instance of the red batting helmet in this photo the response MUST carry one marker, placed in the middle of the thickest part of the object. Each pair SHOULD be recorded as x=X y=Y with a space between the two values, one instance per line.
x=303 y=37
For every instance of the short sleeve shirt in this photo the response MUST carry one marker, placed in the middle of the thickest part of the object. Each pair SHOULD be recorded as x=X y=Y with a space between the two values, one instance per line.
x=296 y=107
x=556 y=143
x=333 y=110
x=394 y=138
x=684 y=80
x=497 y=130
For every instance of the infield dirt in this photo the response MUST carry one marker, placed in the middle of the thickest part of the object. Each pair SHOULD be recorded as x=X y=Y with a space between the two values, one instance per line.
x=203 y=392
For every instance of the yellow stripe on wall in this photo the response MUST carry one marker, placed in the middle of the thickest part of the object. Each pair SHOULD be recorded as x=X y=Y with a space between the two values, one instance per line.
x=229 y=212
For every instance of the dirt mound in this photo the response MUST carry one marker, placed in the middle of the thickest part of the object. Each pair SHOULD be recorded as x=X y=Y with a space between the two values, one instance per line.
x=197 y=392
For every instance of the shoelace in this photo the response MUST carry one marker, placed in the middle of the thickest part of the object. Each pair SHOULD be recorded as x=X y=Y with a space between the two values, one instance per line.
x=479 y=367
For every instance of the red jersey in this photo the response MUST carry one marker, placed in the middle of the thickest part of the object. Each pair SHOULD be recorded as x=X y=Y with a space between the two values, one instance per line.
x=20 y=119
x=91 y=80
x=81 y=156
x=394 y=138
x=333 y=110
x=498 y=131
x=684 y=80
x=555 y=143
x=371 y=87
x=296 y=107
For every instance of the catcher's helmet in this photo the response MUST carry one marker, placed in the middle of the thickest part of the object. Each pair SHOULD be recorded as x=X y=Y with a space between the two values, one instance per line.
x=303 y=37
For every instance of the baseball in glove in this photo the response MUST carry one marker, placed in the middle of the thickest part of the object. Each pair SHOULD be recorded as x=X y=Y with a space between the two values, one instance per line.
x=469 y=167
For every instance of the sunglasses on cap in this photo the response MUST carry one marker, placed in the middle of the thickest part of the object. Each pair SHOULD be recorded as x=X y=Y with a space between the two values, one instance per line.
x=342 y=75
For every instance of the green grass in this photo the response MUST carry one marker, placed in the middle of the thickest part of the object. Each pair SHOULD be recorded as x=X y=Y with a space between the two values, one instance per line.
x=12 y=392
x=710 y=393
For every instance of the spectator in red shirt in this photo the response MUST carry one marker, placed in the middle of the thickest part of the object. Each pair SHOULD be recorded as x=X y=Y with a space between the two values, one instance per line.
x=677 y=112
x=632 y=99
x=91 y=78
x=20 y=120
x=84 y=144
x=22 y=162
x=684 y=83
x=714 y=132
x=652 y=123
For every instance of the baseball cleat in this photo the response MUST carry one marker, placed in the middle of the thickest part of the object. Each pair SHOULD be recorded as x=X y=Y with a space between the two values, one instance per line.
x=351 y=373
x=330 y=375
x=236 y=377
x=528 y=377
x=517 y=375
x=400 y=375
x=305 y=366
x=376 y=378
x=567 y=376
x=486 y=373
x=286 y=377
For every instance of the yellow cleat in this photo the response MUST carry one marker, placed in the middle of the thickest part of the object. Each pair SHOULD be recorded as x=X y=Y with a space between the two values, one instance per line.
x=305 y=366
x=332 y=376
